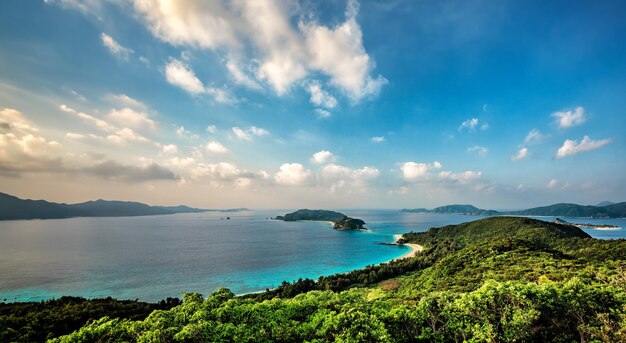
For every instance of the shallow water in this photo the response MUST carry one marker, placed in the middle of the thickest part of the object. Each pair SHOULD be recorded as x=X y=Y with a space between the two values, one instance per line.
x=154 y=257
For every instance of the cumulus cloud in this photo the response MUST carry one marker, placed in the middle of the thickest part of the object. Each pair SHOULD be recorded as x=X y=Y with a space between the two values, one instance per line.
x=180 y=75
x=413 y=170
x=569 y=118
x=322 y=157
x=378 y=139
x=223 y=171
x=211 y=129
x=22 y=148
x=216 y=147
x=336 y=177
x=521 y=154
x=170 y=149
x=249 y=133
x=478 y=150
x=293 y=174
x=114 y=47
x=261 y=41
x=319 y=97
x=132 y=118
x=127 y=101
x=572 y=147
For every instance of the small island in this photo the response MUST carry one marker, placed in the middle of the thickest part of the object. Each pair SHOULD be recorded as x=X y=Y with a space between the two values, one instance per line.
x=339 y=220
x=587 y=225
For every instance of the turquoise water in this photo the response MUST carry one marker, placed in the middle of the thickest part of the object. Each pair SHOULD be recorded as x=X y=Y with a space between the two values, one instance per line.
x=154 y=257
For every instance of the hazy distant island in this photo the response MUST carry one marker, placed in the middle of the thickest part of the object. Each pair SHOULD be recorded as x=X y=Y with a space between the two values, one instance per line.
x=604 y=209
x=13 y=208
x=340 y=221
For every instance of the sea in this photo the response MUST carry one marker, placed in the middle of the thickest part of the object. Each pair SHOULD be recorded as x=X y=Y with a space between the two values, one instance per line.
x=150 y=258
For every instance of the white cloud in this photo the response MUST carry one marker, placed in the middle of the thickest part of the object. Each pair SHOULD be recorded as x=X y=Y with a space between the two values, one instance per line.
x=484 y=126
x=413 y=170
x=378 y=139
x=478 y=150
x=114 y=47
x=571 y=147
x=339 y=53
x=217 y=171
x=241 y=77
x=534 y=136
x=126 y=101
x=322 y=157
x=261 y=40
x=216 y=147
x=569 y=118
x=125 y=135
x=402 y=190
x=170 y=149
x=211 y=129
x=521 y=154
x=469 y=124
x=102 y=124
x=249 y=133
x=319 y=97
x=462 y=177
x=553 y=183
x=293 y=174
x=322 y=113
x=22 y=149
x=335 y=177
x=178 y=74
x=132 y=118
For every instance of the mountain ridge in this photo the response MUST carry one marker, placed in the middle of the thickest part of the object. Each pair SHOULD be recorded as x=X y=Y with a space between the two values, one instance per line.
x=14 y=208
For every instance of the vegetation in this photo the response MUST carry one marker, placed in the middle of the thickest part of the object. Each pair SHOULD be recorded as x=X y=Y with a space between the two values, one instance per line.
x=38 y=321
x=305 y=214
x=12 y=208
x=602 y=210
x=340 y=220
x=501 y=279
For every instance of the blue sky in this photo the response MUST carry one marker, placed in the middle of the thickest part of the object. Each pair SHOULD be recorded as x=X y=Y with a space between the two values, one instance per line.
x=502 y=104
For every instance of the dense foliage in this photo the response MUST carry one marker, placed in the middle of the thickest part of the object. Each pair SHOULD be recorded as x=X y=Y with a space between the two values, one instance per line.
x=494 y=280
x=305 y=214
x=36 y=321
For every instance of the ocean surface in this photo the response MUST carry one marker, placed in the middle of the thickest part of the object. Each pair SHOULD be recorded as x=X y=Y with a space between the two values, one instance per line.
x=153 y=257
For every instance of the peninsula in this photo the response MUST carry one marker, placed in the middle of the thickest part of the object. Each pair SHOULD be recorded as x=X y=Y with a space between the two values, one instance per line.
x=339 y=220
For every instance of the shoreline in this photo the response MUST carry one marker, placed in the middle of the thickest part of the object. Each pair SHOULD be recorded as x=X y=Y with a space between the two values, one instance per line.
x=415 y=248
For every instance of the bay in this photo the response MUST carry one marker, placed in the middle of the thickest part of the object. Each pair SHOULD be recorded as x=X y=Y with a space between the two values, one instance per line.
x=153 y=257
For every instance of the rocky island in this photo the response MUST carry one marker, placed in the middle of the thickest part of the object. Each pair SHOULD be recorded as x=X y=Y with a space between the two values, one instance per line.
x=340 y=221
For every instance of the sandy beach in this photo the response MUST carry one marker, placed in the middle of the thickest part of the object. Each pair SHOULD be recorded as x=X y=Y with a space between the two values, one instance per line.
x=415 y=248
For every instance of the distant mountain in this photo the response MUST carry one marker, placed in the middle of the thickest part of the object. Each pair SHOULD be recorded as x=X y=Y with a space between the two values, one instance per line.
x=604 y=203
x=610 y=210
x=573 y=210
x=457 y=209
x=12 y=207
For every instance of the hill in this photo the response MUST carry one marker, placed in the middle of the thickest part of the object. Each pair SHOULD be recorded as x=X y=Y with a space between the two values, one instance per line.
x=501 y=279
x=13 y=208
x=573 y=210
x=604 y=203
x=602 y=210
x=340 y=221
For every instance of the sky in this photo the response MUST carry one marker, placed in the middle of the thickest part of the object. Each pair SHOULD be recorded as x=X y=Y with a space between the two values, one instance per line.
x=319 y=104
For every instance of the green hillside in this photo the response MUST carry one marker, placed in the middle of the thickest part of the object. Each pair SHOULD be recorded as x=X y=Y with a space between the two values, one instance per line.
x=501 y=279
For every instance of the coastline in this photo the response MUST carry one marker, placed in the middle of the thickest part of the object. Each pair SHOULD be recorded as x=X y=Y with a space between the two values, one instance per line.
x=415 y=248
